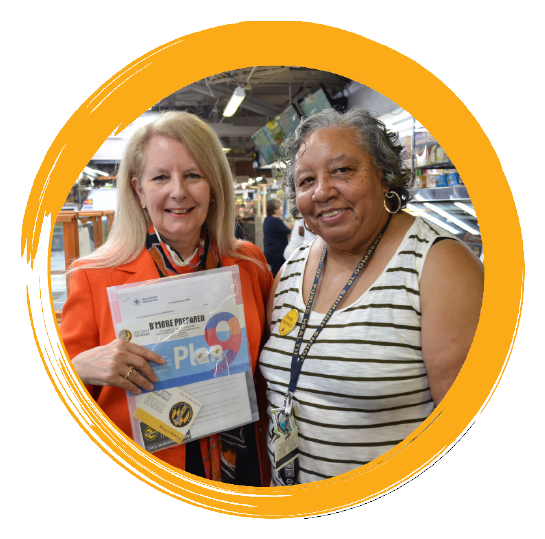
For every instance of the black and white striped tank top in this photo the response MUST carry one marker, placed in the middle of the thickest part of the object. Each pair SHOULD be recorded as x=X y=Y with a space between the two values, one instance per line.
x=363 y=387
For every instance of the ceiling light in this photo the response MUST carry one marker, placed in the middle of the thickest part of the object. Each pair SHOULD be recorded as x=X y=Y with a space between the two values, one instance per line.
x=236 y=99
x=94 y=172
x=466 y=208
x=423 y=214
x=450 y=217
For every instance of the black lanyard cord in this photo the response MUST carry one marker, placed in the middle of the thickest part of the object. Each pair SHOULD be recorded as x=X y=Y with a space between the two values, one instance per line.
x=298 y=359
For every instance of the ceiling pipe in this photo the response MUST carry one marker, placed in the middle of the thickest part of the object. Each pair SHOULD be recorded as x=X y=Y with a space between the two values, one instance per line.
x=250 y=75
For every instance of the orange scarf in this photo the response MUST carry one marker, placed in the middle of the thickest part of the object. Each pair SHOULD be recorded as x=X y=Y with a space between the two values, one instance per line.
x=217 y=457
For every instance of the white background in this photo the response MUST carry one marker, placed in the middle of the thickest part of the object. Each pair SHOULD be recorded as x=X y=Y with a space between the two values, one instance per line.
x=14 y=12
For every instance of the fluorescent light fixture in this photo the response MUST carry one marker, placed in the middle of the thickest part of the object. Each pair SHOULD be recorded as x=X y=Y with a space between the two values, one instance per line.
x=94 y=172
x=432 y=219
x=466 y=208
x=450 y=217
x=236 y=99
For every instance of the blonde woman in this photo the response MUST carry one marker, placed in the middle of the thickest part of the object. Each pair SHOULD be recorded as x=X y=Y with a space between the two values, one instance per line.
x=175 y=215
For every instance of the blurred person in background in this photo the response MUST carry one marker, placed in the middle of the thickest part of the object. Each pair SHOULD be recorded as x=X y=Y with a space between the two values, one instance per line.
x=299 y=236
x=275 y=235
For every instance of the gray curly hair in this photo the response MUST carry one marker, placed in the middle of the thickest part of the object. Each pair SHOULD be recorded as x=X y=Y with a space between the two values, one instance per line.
x=383 y=147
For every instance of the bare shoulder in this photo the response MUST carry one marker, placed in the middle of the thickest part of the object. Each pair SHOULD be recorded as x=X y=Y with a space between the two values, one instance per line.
x=450 y=261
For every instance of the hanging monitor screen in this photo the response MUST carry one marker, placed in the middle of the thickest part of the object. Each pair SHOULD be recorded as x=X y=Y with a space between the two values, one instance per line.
x=288 y=120
x=317 y=101
x=266 y=145
x=275 y=131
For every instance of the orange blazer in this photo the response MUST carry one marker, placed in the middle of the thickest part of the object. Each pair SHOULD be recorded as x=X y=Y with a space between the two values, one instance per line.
x=86 y=323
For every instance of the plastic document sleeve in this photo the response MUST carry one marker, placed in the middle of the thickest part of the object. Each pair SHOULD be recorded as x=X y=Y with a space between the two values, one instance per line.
x=196 y=323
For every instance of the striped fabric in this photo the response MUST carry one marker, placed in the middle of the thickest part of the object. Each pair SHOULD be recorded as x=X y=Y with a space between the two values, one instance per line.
x=363 y=387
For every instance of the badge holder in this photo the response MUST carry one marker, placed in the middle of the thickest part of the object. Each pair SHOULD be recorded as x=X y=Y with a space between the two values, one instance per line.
x=285 y=436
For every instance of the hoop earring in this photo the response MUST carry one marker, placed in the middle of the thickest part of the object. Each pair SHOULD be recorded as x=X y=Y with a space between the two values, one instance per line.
x=390 y=195
x=307 y=228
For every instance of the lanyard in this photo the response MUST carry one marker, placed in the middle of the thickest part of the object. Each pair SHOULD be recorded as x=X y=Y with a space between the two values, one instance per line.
x=298 y=359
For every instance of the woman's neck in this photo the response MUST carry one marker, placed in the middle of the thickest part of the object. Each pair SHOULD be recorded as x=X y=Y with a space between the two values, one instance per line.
x=185 y=252
x=349 y=254
x=184 y=249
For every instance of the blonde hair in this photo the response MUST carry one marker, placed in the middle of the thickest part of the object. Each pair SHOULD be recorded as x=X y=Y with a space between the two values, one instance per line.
x=127 y=237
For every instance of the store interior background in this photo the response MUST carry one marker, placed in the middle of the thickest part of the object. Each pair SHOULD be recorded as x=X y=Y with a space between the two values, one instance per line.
x=275 y=97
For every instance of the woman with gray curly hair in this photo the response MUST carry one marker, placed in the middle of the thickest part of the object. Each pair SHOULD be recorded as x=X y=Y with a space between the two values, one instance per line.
x=370 y=322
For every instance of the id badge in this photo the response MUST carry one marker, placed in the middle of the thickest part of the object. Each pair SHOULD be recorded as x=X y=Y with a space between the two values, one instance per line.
x=286 y=448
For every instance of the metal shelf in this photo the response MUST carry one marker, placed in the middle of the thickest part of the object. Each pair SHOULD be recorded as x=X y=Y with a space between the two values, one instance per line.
x=438 y=194
x=423 y=144
x=446 y=164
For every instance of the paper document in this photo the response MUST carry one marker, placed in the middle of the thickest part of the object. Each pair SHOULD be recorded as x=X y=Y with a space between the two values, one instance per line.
x=196 y=323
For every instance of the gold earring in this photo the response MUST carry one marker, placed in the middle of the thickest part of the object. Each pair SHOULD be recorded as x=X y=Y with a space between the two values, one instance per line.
x=307 y=228
x=390 y=195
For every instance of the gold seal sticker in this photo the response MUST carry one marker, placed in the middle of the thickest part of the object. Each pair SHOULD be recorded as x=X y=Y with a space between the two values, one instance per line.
x=150 y=434
x=181 y=414
x=288 y=322
x=125 y=334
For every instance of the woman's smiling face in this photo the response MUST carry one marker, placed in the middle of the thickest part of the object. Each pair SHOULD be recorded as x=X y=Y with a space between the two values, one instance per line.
x=175 y=192
x=338 y=189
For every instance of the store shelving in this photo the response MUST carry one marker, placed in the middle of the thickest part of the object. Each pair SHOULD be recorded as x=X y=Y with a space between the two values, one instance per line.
x=439 y=195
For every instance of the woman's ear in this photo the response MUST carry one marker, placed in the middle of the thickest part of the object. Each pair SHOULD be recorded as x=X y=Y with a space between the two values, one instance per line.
x=137 y=188
x=385 y=185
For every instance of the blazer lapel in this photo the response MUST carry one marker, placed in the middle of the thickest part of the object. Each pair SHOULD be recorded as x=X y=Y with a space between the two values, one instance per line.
x=141 y=268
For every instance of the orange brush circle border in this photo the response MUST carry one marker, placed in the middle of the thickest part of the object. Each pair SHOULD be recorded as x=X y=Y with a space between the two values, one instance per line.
x=149 y=79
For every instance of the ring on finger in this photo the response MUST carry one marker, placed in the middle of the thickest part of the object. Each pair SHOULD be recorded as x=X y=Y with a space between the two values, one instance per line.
x=128 y=375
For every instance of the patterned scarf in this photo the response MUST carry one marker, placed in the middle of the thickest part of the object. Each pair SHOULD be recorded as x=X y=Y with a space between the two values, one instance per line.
x=219 y=459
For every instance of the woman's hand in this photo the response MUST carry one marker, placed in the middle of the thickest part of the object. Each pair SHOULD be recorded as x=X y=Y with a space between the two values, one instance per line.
x=108 y=365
